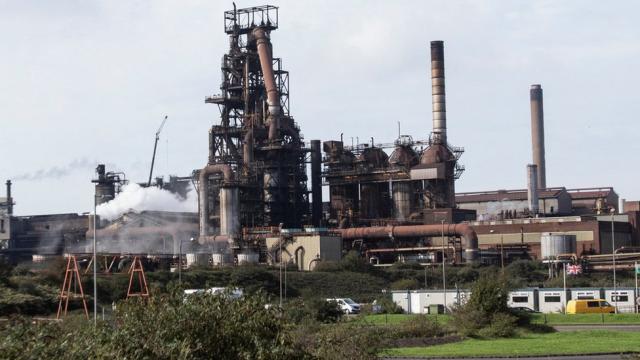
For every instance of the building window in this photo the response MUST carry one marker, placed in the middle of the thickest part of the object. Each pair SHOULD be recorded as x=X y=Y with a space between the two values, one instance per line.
x=552 y=299
x=520 y=299
x=585 y=297
x=2 y=226
x=619 y=298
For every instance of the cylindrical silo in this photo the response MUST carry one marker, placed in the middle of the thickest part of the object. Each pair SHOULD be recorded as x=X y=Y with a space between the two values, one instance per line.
x=552 y=245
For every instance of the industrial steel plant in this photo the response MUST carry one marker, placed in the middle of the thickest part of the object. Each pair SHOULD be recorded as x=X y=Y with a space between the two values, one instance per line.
x=260 y=194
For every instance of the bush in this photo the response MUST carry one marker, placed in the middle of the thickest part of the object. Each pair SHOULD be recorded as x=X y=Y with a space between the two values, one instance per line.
x=502 y=325
x=486 y=314
x=326 y=311
x=387 y=306
x=419 y=327
x=347 y=341
x=405 y=284
x=163 y=327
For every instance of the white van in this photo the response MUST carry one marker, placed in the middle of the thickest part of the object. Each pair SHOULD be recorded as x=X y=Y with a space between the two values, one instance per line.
x=347 y=305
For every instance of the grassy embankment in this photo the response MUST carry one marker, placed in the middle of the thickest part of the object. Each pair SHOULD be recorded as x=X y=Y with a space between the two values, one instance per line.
x=560 y=343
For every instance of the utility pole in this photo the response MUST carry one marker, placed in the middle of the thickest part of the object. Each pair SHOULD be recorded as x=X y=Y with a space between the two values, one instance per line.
x=613 y=257
x=95 y=261
x=444 y=274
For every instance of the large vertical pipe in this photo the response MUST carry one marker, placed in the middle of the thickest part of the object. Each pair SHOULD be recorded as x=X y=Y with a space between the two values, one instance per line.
x=532 y=188
x=537 y=134
x=263 y=45
x=9 y=199
x=316 y=183
x=229 y=207
x=438 y=100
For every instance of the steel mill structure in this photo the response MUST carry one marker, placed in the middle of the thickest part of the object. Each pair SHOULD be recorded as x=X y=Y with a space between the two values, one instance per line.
x=391 y=201
x=256 y=172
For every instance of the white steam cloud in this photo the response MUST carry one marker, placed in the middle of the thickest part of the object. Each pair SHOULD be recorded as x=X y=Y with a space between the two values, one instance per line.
x=136 y=198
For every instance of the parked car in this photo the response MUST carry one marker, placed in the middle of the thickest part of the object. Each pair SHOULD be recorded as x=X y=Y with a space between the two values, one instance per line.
x=597 y=306
x=347 y=305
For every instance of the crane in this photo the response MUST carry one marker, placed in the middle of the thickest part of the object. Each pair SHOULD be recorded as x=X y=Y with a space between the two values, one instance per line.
x=155 y=146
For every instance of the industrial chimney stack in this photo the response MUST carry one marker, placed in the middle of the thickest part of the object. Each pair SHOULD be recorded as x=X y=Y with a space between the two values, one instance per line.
x=9 y=199
x=537 y=134
x=532 y=188
x=438 y=93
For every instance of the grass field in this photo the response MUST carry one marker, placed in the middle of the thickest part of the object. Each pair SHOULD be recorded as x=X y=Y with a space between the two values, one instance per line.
x=560 y=343
x=551 y=319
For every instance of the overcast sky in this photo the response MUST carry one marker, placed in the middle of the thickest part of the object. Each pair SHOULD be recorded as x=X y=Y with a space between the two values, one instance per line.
x=83 y=82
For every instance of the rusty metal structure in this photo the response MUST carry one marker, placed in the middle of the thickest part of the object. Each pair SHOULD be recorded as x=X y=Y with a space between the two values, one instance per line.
x=368 y=187
x=256 y=172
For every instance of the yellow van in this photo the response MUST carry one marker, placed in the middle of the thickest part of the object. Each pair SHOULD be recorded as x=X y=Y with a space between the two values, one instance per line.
x=589 y=307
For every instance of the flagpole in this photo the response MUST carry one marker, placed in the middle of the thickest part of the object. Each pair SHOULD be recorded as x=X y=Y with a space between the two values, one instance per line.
x=564 y=285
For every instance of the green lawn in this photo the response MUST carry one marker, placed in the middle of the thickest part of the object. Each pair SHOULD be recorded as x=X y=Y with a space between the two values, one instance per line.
x=560 y=343
x=580 y=319
x=551 y=319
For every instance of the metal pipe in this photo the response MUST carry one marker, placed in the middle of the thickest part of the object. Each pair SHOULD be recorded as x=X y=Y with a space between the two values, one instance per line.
x=263 y=45
x=316 y=183
x=248 y=148
x=438 y=98
x=227 y=174
x=464 y=231
x=537 y=133
x=532 y=188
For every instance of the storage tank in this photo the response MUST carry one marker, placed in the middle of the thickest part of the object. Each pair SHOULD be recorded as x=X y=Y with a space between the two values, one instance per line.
x=248 y=258
x=552 y=245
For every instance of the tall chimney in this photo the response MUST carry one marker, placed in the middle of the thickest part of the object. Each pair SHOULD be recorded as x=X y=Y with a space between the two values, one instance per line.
x=537 y=134
x=438 y=100
x=532 y=188
x=9 y=199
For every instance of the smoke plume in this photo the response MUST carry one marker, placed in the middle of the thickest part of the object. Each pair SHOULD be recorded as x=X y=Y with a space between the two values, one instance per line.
x=56 y=172
x=136 y=198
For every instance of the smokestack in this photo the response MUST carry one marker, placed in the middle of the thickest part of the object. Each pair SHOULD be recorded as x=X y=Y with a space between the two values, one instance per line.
x=537 y=134
x=9 y=199
x=532 y=188
x=438 y=94
x=316 y=183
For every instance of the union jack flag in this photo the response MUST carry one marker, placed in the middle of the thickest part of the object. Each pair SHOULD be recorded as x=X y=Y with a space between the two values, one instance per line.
x=574 y=269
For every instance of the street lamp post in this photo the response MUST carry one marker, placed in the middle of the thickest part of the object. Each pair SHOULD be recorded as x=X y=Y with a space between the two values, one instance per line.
x=613 y=257
x=95 y=261
x=444 y=274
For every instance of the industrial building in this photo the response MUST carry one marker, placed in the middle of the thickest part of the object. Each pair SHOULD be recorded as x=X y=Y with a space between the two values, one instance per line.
x=390 y=201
